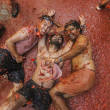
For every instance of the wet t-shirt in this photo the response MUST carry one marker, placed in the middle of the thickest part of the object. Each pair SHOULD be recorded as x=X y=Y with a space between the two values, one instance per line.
x=25 y=45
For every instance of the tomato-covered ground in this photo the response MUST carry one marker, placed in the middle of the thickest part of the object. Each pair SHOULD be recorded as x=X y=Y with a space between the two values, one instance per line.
x=97 y=28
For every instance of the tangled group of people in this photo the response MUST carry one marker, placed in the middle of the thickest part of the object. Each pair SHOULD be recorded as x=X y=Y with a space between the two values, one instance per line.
x=40 y=89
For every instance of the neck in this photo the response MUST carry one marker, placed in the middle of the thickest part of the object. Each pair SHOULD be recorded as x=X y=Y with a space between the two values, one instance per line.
x=77 y=36
x=53 y=48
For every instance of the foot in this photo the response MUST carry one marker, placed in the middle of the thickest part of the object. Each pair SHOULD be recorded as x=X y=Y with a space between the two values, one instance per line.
x=15 y=9
x=1 y=29
x=99 y=7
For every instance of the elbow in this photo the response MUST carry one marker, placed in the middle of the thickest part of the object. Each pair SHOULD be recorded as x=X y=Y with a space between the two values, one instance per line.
x=8 y=42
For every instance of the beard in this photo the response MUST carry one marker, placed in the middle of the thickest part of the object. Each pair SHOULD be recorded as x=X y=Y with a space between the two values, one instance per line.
x=56 y=43
x=72 y=36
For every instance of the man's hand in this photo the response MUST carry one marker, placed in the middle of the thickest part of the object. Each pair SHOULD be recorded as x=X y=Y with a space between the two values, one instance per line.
x=51 y=13
x=50 y=61
x=82 y=20
x=19 y=59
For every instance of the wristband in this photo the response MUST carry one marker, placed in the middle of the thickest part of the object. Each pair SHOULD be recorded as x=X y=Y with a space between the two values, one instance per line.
x=60 y=59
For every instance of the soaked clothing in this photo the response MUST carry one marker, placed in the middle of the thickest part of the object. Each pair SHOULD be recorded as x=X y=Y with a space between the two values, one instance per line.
x=36 y=94
x=7 y=62
x=8 y=65
x=55 y=71
x=77 y=82
x=25 y=45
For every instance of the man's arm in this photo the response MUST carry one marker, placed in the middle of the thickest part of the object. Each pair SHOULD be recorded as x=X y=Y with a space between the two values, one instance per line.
x=70 y=43
x=81 y=45
x=10 y=42
x=61 y=64
x=82 y=21
x=62 y=51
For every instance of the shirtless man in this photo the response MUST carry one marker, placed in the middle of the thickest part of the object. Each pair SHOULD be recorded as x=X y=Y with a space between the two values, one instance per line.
x=11 y=53
x=37 y=88
x=83 y=76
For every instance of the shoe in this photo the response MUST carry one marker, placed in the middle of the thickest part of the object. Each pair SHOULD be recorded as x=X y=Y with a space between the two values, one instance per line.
x=99 y=7
x=1 y=29
x=15 y=9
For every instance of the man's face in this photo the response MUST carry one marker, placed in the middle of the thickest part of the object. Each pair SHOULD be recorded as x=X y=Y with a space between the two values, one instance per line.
x=56 y=40
x=71 y=32
x=44 y=26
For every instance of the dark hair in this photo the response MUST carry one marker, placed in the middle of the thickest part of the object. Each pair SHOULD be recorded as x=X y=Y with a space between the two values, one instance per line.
x=46 y=17
x=73 y=23
x=57 y=35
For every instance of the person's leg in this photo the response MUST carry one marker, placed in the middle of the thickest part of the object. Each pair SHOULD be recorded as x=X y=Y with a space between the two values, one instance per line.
x=58 y=99
x=58 y=96
x=74 y=84
x=16 y=87
x=14 y=102
x=41 y=97
x=17 y=77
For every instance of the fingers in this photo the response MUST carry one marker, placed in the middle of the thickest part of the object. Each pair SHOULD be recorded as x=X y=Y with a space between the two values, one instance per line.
x=52 y=63
x=48 y=62
x=82 y=19
x=19 y=59
x=51 y=13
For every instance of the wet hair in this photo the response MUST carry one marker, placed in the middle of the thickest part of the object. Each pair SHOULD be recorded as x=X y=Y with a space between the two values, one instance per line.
x=57 y=35
x=73 y=23
x=46 y=17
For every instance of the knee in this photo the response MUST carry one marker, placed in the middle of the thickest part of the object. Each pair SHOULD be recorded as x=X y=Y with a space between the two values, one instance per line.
x=87 y=85
x=7 y=104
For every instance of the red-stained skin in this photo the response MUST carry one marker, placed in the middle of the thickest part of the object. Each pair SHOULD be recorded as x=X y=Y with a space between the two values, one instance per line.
x=86 y=64
x=17 y=96
x=76 y=66
x=95 y=98
x=41 y=74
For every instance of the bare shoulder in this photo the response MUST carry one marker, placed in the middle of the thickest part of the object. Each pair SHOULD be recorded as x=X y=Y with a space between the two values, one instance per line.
x=24 y=32
x=83 y=39
x=18 y=36
x=21 y=33
x=83 y=36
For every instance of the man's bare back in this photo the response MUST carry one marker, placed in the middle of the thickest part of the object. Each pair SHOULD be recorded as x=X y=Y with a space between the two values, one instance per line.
x=83 y=60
